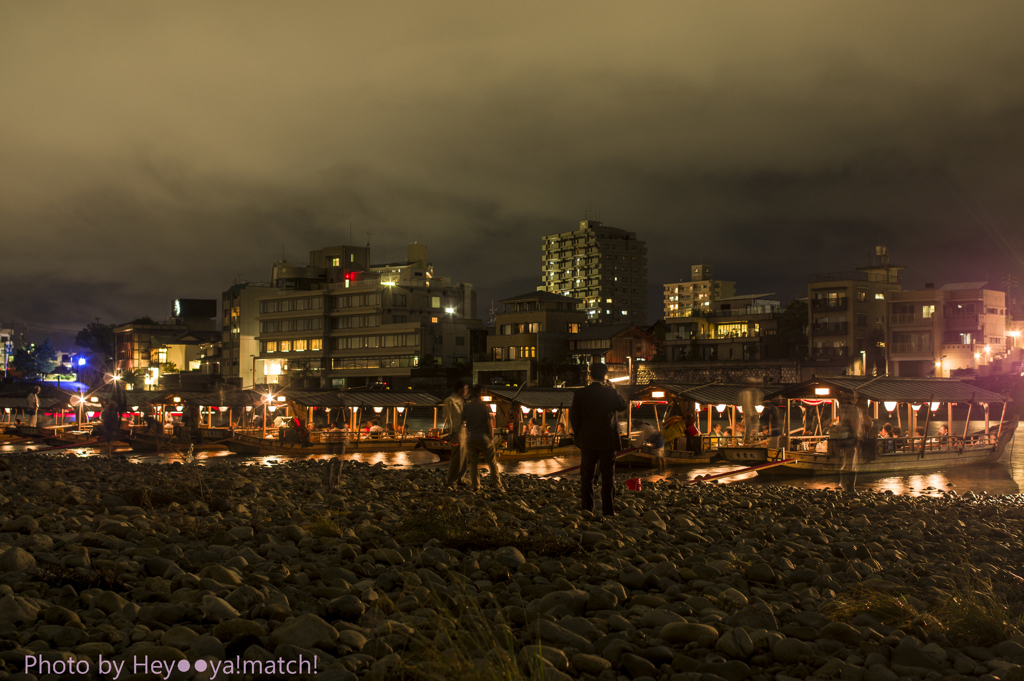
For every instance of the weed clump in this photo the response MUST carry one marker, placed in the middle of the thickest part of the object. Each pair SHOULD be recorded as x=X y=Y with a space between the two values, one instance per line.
x=979 y=609
x=324 y=527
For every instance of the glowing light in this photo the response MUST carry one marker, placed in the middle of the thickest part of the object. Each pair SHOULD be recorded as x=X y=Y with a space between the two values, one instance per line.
x=177 y=399
x=485 y=398
x=915 y=407
x=618 y=379
x=94 y=399
x=327 y=409
x=988 y=349
x=450 y=310
x=889 y=406
x=696 y=406
x=935 y=405
x=81 y=361
x=658 y=394
x=377 y=410
x=494 y=408
x=759 y=408
x=249 y=408
x=179 y=407
x=526 y=410
x=720 y=408
x=977 y=355
x=135 y=408
x=90 y=414
x=272 y=408
x=401 y=410
x=222 y=409
x=280 y=398
x=355 y=408
x=739 y=409
x=821 y=391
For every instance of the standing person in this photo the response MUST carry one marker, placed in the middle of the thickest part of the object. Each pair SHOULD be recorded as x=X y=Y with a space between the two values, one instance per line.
x=770 y=417
x=750 y=397
x=479 y=439
x=111 y=421
x=33 y=404
x=596 y=427
x=453 y=405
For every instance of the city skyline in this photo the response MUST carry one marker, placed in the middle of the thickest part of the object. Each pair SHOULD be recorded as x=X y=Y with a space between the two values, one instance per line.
x=161 y=152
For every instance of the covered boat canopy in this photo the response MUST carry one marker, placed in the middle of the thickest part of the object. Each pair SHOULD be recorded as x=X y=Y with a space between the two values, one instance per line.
x=534 y=398
x=132 y=398
x=45 y=403
x=888 y=389
x=706 y=393
x=220 y=398
x=364 y=398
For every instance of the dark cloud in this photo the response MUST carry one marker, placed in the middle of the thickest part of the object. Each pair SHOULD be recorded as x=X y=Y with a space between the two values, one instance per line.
x=154 y=151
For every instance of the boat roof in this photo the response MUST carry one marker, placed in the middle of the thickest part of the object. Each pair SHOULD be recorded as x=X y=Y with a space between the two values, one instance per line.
x=892 y=389
x=535 y=398
x=221 y=398
x=134 y=398
x=704 y=393
x=364 y=398
x=22 y=402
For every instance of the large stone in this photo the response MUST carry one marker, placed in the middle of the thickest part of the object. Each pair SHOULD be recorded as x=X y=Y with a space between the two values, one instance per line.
x=756 y=616
x=736 y=644
x=908 y=653
x=18 y=610
x=509 y=556
x=110 y=602
x=638 y=667
x=561 y=637
x=575 y=601
x=601 y=599
x=221 y=575
x=25 y=524
x=304 y=630
x=590 y=664
x=217 y=609
x=178 y=637
x=229 y=629
x=17 y=560
x=842 y=632
x=681 y=633
x=791 y=651
x=78 y=557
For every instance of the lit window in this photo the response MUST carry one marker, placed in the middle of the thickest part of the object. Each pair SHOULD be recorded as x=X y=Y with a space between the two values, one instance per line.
x=300 y=346
x=435 y=301
x=271 y=346
x=286 y=346
x=316 y=344
x=879 y=296
x=433 y=320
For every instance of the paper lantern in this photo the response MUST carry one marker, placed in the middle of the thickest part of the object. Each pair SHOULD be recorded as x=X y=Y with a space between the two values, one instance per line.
x=889 y=406
x=720 y=408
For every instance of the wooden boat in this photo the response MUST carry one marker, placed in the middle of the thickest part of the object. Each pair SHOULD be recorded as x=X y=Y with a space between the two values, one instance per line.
x=904 y=454
x=537 y=447
x=334 y=442
x=143 y=440
x=644 y=458
x=838 y=451
x=58 y=435
x=747 y=455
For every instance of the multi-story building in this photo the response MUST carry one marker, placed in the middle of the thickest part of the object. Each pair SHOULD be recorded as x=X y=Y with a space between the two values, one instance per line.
x=137 y=346
x=365 y=324
x=847 y=317
x=937 y=331
x=239 y=329
x=689 y=298
x=528 y=344
x=620 y=346
x=734 y=328
x=6 y=348
x=603 y=268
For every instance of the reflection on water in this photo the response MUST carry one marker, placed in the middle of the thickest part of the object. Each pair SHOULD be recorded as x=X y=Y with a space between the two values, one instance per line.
x=1006 y=477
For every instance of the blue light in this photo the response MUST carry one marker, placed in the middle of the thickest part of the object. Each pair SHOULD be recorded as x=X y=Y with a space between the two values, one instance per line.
x=81 y=361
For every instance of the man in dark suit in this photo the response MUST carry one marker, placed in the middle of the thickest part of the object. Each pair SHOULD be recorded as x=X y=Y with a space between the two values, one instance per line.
x=596 y=432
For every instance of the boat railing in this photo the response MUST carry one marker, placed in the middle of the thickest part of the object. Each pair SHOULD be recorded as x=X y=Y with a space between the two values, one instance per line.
x=823 y=444
x=328 y=436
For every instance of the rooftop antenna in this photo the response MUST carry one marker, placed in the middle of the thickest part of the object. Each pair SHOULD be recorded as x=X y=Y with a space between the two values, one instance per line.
x=367 y=240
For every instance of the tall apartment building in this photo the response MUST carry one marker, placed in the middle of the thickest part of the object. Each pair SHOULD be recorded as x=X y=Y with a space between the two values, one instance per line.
x=936 y=331
x=357 y=327
x=687 y=298
x=603 y=268
x=530 y=339
x=847 y=310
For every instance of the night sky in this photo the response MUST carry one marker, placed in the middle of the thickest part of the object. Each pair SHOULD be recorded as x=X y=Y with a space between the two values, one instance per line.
x=150 y=151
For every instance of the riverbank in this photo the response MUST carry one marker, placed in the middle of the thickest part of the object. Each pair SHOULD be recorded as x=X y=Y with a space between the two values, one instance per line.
x=392 y=576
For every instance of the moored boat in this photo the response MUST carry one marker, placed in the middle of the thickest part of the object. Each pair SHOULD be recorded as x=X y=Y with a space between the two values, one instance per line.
x=842 y=448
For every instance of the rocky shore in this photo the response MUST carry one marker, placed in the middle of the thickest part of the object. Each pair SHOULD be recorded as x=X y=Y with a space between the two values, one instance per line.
x=234 y=571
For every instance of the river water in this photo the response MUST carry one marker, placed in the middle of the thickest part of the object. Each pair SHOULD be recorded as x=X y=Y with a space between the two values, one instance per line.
x=1004 y=477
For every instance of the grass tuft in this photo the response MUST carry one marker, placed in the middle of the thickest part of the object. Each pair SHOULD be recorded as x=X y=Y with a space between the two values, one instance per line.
x=324 y=527
x=978 y=610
